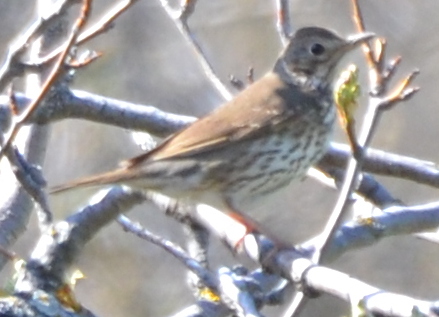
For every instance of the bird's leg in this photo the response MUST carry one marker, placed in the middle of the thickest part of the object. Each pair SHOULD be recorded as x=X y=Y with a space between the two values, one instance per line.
x=253 y=227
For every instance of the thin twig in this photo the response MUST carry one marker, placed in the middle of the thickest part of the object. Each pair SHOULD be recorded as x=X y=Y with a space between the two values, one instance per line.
x=13 y=67
x=283 y=23
x=180 y=18
x=297 y=305
x=391 y=68
x=367 y=48
x=32 y=180
x=380 y=53
x=377 y=105
x=56 y=73
x=101 y=26
x=187 y=8
x=351 y=181
x=207 y=277
x=401 y=93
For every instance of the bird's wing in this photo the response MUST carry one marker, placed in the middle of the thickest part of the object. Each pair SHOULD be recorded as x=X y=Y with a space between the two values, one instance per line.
x=235 y=121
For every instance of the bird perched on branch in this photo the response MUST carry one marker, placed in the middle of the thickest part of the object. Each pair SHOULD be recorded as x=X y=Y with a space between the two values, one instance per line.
x=261 y=140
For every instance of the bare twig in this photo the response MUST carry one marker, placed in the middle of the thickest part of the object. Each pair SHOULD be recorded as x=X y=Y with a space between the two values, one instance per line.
x=235 y=289
x=391 y=68
x=297 y=304
x=377 y=105
x=102 y=26
x=55 y=74
x=17 y=204
x=12 y=102
x=59 y=246
x=379 y=52
x=391 y=221
x=83 y=60
x=187 y=8
x=204 y=274
x=180 y=18
x=197 y=243
x=283 y=23
x=351 y=181
x=32 y=180
x=251 y=75
x=401 y=93
x=13 y=66
x=367 y=48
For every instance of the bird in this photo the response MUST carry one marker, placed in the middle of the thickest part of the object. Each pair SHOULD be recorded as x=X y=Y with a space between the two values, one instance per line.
x=268 y=135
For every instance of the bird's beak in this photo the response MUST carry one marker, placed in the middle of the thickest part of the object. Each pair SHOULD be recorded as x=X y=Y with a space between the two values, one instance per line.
x=357 y=39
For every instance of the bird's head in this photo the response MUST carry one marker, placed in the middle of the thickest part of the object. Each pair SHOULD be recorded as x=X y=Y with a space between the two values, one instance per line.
x=313 y=53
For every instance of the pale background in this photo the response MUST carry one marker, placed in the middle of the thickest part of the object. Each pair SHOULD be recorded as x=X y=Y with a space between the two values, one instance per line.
x=146 y=61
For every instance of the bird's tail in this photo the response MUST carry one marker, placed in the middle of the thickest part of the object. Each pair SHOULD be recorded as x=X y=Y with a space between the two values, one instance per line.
x=113 y=177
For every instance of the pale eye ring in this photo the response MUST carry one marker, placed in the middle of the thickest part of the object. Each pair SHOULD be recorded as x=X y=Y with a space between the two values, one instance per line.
x=317 y=49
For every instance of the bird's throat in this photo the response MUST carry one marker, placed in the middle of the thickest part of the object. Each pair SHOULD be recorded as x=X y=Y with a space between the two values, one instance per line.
x=317 y=81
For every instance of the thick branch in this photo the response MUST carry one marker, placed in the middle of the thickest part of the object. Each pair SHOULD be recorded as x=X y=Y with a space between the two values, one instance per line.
x=392 y=221
x=60 y=246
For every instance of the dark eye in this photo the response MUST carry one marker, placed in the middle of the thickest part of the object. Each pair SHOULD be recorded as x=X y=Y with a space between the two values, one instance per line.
x=317 y=49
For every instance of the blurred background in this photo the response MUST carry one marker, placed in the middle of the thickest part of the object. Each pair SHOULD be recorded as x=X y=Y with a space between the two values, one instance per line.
x=147 y=61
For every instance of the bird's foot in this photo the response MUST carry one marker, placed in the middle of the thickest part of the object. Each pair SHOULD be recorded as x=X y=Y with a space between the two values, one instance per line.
x=257 y=242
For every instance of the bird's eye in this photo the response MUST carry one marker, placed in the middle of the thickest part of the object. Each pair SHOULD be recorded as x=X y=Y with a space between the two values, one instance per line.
x=317 y=49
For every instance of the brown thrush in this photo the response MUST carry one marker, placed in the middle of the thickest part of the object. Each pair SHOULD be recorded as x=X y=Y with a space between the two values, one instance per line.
x=268 y=135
